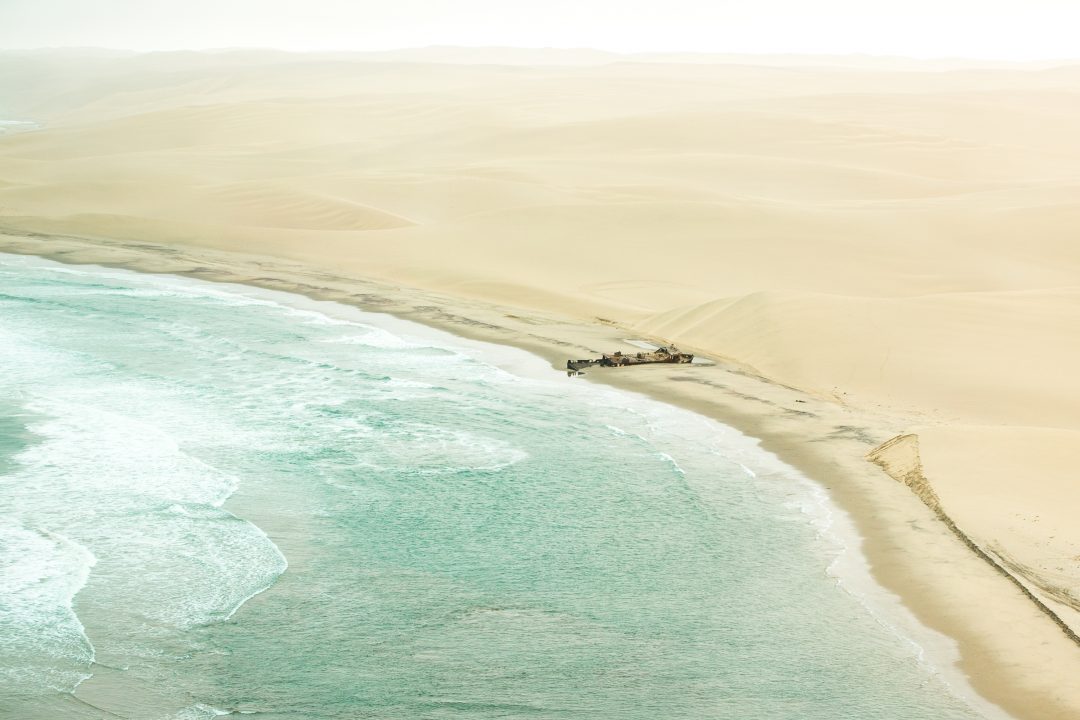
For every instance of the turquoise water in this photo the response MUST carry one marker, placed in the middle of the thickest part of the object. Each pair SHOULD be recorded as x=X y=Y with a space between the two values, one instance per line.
x=219 y=500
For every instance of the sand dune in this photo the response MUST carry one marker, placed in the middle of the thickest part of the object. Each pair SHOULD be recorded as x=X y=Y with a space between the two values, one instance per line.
x=903 y=352
x=897 y=236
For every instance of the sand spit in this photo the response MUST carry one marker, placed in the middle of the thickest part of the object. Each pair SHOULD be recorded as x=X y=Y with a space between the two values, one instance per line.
x=868 y=249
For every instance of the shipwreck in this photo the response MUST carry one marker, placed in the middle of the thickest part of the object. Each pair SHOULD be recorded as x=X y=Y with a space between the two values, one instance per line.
x=668 y=354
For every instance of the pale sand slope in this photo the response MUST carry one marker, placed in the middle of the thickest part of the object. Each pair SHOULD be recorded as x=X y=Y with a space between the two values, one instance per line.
x=900 y=237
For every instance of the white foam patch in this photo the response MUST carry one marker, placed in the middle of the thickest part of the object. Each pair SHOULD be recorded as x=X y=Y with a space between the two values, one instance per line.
x=149 y=512
x=102 y=457
x=432 y=450
x=41 y=638
x=123 y=489
x=198 y=711
x=23 y=360
x=409 y=384
x=361 y=333
x=375 y=338
x=195 y=566
x=20 y=124
x=141 y=287
x=671 y=461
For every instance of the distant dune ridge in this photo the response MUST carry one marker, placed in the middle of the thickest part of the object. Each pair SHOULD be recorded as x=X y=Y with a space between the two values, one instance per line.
x=898 y=235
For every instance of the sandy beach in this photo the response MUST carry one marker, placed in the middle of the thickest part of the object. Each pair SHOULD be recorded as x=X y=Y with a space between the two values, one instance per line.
x=878 y=258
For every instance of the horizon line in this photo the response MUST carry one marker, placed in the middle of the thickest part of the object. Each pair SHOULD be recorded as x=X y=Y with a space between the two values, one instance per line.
x=551 y=49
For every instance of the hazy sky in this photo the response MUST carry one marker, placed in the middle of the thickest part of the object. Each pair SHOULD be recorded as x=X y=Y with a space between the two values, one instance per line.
x=1005 y=29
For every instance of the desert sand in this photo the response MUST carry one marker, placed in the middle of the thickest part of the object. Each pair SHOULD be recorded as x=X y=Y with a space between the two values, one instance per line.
x=872 y=249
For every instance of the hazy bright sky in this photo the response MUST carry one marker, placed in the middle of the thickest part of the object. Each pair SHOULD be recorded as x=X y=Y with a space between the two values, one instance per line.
x=1005 y=29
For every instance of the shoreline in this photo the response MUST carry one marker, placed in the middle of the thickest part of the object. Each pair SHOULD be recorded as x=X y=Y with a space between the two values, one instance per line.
x=934 y=651
x=847 y=568
x=1012 y=654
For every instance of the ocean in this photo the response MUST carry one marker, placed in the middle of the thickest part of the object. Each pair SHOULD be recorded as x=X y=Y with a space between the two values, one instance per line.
x=221 y=500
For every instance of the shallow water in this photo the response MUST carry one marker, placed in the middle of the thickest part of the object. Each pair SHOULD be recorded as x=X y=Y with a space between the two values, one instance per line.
x=215 y=500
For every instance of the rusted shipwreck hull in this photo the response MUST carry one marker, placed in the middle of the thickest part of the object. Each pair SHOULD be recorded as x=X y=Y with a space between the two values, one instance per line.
x=668 y=354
